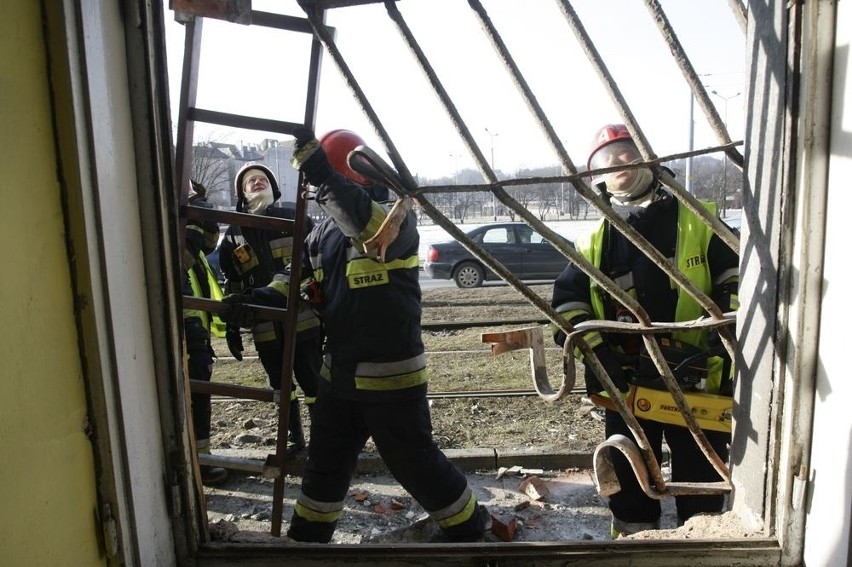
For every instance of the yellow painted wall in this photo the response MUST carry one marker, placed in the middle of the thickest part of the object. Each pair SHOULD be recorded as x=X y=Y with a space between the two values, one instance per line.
x=47 y=482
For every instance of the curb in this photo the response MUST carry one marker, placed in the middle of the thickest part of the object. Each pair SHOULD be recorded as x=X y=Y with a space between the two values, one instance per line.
x=473 y=460
x=468 y=460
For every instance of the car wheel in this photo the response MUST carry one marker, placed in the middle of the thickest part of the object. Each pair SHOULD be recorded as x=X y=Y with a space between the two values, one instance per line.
x=469 y=274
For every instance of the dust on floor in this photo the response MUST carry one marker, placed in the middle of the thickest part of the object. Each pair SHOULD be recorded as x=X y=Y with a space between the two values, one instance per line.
x=562 y=506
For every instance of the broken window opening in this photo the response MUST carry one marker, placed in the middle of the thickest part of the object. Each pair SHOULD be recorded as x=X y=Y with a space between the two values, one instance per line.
x=409 y=188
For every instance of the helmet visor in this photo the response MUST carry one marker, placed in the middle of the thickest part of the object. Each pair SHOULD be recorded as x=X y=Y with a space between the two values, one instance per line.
x=623 y=152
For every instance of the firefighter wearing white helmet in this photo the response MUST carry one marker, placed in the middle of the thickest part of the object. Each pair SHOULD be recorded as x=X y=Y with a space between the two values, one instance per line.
x=250 y=258
x=255 y=189
x=679 y=234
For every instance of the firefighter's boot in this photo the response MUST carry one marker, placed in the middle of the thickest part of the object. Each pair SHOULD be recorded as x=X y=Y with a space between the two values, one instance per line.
x=210 y=475
x=295 y=435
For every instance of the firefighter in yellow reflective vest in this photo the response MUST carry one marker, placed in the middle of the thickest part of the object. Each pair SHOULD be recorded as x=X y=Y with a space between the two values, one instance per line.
x=638 y=197
x=249 y=258
x=199 y=281
x=373 y=381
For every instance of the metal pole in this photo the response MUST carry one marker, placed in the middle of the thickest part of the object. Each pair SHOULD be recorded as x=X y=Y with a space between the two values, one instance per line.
x=724 y=204
x=691 y=141
x=493 y=198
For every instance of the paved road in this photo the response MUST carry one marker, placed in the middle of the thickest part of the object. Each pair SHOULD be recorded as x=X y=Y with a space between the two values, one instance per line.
x=428 y=283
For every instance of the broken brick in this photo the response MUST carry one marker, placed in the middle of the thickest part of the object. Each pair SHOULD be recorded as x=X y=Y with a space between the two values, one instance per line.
x=535 y=488
x=514 y=471
x=504 y=531
x=397 y=505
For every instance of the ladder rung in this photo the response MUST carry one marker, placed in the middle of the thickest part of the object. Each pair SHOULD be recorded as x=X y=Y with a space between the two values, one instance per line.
x=240 y=121
x=241 y=219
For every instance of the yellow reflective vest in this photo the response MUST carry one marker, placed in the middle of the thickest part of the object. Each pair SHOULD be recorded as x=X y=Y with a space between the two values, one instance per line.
x=693 y=240
x=214 y=323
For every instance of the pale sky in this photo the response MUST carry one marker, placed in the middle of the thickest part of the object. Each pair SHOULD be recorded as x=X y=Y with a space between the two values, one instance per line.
x=261 y=72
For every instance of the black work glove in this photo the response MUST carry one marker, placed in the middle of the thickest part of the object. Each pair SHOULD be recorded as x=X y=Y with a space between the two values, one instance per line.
x=236 y=313
x=310 y=158
x=611 y=363
x=235 y=342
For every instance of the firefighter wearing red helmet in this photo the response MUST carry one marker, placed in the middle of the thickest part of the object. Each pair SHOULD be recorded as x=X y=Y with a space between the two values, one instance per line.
x=613 y=146
x=250 y=258
x=373 y=381
x=679 y=234
x=337 y=145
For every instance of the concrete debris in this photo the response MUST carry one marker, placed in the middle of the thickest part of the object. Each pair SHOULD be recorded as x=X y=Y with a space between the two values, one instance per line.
x=261 y=516
x=248 y=439
x=570 y=511
x=512 y=471
x=422 y=530
x=517 y=470
x=222 y=530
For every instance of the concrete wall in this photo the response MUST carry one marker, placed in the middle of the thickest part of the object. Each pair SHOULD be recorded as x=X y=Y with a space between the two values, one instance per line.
x=47 y=480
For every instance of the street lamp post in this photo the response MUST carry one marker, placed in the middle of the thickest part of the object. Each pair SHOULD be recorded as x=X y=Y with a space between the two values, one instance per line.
x=454 y=194
x=725 y=162
x=493 y=199
x=691 y=141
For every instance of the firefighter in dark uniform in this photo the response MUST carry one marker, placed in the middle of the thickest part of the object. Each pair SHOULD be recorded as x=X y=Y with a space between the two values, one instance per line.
x=373 y=381
x=199 y=281
x=638 y=197
x=249 y=257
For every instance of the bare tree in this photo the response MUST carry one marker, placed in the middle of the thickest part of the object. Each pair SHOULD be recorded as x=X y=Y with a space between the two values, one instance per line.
x=547 y=195
x=464 y=202
x=523 y=194
x=212 y=168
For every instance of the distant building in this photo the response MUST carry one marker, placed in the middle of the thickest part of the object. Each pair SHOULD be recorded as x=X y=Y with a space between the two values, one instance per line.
x=216 y=164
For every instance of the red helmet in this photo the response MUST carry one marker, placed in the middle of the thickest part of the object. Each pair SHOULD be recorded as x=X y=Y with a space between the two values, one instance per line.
x=607 y=135
x=337 y=144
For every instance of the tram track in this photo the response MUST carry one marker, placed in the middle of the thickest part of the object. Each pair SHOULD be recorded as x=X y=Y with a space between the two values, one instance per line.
x=513 y=393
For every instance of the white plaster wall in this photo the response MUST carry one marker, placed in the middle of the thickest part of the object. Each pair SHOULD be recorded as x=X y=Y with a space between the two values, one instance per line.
x=829 y=507
x=114 y=186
